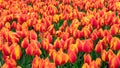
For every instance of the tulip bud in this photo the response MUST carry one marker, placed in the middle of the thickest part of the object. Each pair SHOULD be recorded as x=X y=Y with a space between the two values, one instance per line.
x=72 y=56
x=114 y=63
x=88 y=46
x=114 y=29
x=85 y=65
x=98 y=62
x=16 y=52
x=10 y=63
x=80 y=44
x=29 y=50
x=87 y=58
x=6 y=49
x=115 y=43
x=35 y=62
x=99 y=47
x=104 y=55
x=25 y=43
x=56 y=18
x=33 y=35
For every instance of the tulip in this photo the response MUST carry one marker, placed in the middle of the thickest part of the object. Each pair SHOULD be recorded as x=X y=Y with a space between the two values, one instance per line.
x=93 y=64
x=45 y=43
x=16 y=52
x=35 y=62
x=87 y=58
x=114 y=63
x=88 y=46
x=99 y=47
x=104 y=55
x=57 y=43
x=25 y=43
x=33 y=35
x=6 y=49
x=85 y=65
x=65 y=36
x=72 y=56
x=29 y=50
x=10 y=63
x=98 y=62
x=114 y=29
x=80 y=44
x=55 y=18
x=115 y=43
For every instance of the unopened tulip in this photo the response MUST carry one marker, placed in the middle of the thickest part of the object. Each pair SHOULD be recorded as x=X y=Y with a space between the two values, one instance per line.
x=87 y=58
x=25 y=43
x=16 y=52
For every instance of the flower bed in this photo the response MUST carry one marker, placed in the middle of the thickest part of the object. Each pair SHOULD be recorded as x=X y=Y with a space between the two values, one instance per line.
x=59 y=34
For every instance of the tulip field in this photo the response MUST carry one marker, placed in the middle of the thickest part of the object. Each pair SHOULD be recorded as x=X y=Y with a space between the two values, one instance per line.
x=59 y=33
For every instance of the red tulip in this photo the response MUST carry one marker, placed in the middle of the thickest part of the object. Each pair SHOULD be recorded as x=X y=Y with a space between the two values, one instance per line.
x=87 y=58
x=99 y=47
x=115 y=43
x=88 y=46
x=114 y=29
x=6 y=49
x=33 y=35
x=25 y=43
x=72 y=56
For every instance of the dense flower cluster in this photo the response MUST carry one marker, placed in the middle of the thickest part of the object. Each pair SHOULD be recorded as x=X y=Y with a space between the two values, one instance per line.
x=59 y=33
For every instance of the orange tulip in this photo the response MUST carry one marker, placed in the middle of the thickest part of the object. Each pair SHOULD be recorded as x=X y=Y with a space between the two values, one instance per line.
x=68 y=42
x=25 y=43
x=115 y=43
x=99 y=47
x=114 y=29
x=55 y=18
x=65 y=36
x=57 y=43
x=6 y=49
x=87 y=58
x=45 y=43
x=72 y=56
x=29 y=50
x=85 y=65
x=33 y=35
x=98 y=62
x=35 y=62
x=16 y=52
x=114 y=62
x=10 y=63
x=80 y=44
x=88 y=45
x=104 y=55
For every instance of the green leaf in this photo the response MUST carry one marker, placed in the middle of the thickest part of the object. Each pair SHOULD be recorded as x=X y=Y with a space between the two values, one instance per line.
x=116 y=13
x=96 y=41
x=53 y=39
x=25 y=61
x=106 y=27
x=1 y=59
x=30 y=4
x=21 y=39
x=117 y=35
x=80 y=27
x=44 y=53
x=57 y=25
x=94 y=55
x=13 y=30
x=104 y=64
x=30 y=28
x=11 y=21
x=69 y=22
